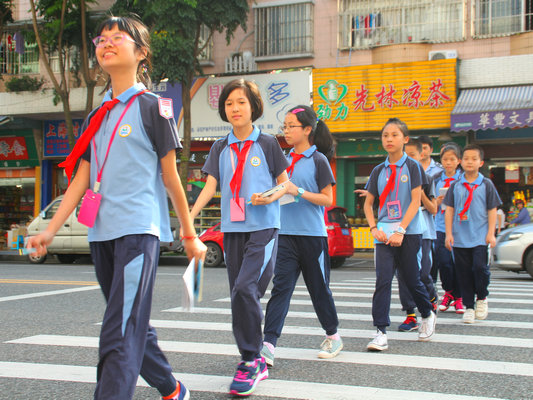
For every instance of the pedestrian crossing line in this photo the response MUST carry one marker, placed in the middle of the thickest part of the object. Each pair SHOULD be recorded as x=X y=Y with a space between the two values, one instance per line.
x=299 y=354
x=355 y=333
x=342 y=286
x=368 y=295
x=220 y=384
x=492 y=292
x=48 y=293
x=358 y=304
x=493 y=283
x=368 y=318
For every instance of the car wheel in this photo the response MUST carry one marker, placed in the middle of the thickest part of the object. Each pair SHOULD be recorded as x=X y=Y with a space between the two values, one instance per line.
x=66 y=258
x=528 y=264
x=336 y=262
x=214 y=256
x=36 y=259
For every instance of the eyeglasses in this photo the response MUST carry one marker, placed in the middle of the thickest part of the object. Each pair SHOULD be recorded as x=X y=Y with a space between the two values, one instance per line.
x=116 y=39
x=284 y=128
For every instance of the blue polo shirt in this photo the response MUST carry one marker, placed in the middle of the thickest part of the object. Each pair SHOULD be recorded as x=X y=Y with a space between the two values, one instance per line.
x=429 y=189
x=134 y=199
x=434 y=168
x=473 y=232
x=440 y=181
x=312 y=173
x=265 y=162
x=409 y=177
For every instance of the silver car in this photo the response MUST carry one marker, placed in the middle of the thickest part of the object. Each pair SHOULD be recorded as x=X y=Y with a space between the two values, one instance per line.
x=514 y=249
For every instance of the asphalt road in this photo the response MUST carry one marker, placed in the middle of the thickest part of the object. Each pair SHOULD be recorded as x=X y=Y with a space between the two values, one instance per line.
x=50 y=318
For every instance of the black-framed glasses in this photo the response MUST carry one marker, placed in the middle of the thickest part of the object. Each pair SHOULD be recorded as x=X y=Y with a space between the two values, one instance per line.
x=115 y=39
x=284 y=128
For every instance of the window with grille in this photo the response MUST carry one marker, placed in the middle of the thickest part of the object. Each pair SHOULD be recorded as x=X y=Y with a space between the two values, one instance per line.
x=284 y=30
x=17 y=60
x=502 y=17
x=368 y=23
x=207 y=54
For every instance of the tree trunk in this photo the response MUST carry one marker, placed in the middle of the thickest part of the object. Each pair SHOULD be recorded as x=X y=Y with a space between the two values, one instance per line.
x=89 y=81
x=186 y=142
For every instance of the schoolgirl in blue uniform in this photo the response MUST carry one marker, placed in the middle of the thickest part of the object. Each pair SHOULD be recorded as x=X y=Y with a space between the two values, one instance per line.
x=428 y=209
x=397 y=183
x=129 y=162
x=470 y=220
x=303 y=239
x=246 y=163
x=450 y=156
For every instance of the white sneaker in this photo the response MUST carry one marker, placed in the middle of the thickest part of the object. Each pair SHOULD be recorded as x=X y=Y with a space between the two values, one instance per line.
x=482 y=309
x=330 y=348
x=427 y=329
x=469 y=316
x=379 y=343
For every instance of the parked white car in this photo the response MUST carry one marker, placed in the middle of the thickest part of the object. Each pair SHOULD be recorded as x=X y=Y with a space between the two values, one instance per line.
x=514 y=250
x=71 y=242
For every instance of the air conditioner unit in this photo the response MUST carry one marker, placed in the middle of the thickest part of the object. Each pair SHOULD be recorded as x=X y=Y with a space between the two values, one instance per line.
x=441 y=54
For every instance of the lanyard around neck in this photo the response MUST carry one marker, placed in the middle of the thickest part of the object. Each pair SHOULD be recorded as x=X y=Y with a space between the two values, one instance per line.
x=397 y=188
x=101 y=169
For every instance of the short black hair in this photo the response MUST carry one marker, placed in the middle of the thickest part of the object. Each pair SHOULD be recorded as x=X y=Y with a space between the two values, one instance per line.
x=425 y=140
x=416 y=143
x=402 y=126
x=250 y=90
x=476 y=147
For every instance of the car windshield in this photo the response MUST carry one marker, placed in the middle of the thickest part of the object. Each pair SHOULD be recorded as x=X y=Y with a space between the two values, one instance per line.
x=338 y=216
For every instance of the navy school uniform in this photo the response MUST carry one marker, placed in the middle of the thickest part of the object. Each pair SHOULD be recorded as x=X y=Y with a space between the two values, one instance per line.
x=444 y=259
x=405 y=257
x=469 y=235
x=250 y=246
x=303 y=246
x=424 y=256
x=124 y=241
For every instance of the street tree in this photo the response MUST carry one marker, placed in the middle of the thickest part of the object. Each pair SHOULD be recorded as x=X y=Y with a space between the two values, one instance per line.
x=181 y=31
x=61 y=26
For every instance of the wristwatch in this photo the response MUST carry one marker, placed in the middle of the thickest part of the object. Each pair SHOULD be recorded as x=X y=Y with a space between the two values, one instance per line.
x=301 y=191
x=400 y=230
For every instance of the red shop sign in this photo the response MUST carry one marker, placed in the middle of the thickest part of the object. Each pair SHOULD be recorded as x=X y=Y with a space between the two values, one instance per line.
x=13 y=148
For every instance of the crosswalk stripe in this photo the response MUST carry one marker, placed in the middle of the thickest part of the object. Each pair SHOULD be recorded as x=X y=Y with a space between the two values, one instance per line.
x=48 y=293
x=356 y=304
x=368 y=318
x=366 y=358
x=494 y=284
x=369 y=295
x=395 y=289
x=219 y=384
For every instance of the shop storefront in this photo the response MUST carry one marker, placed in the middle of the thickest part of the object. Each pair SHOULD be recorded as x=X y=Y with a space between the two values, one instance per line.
x=19 y=179
x=355 y=102
x=500 y=120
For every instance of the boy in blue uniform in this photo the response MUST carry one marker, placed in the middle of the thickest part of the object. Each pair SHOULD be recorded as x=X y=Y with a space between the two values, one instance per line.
x=470 y=218
x=428 y=209
x=246 y=163
x=397 y=183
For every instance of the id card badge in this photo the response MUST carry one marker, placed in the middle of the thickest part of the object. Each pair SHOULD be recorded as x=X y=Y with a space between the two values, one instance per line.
x=464 y=217
x=394 y=209
x=236 y=211
x=89 y=208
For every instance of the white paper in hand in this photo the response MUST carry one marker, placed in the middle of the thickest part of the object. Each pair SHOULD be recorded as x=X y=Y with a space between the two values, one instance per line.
x=192 y=286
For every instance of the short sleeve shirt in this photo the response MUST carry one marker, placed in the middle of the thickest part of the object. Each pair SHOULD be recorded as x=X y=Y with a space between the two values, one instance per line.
x=434 y=168
x=440 y=181
x=312 y=173
x=265 y=162
x=472 y=232
x=408 y=177
x=134 y=199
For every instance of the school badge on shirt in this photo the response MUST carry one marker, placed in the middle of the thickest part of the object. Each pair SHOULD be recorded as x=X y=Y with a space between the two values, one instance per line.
x=165 y=108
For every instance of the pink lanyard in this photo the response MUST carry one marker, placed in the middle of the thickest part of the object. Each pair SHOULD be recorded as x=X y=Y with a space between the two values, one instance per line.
x=397 y=182
x=100 y=170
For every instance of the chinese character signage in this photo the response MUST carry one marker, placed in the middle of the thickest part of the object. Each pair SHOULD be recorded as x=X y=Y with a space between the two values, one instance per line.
x=363 y=98
x=13 y=148
x=56 y=137
x=492 y=120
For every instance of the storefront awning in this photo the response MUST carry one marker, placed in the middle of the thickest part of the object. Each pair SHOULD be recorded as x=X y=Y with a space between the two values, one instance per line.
x=493 y=108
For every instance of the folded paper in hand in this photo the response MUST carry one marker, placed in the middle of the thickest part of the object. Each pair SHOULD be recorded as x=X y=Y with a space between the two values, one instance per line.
x=192 y=286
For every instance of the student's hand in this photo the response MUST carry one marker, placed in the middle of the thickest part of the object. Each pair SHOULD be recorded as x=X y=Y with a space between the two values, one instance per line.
x=449 y=242
x=40 y=243
x=440 y=199
x=195 y=248
x=491 y=240
x=395 y=240
x=292 y=189
x=379 y=235
x=361 y=192
x=258 y=200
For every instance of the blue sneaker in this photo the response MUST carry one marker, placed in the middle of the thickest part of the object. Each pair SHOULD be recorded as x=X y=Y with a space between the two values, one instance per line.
x=183 y=394
x=246 y=378
x=410 y=324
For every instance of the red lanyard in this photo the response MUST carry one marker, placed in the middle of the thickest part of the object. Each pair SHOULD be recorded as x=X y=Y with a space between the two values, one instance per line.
x=242 y=155
x=389 y=187
x=101 y=169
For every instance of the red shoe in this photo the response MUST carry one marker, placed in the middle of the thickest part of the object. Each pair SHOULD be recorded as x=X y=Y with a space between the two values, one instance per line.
x=458 y=304
x=446 y=301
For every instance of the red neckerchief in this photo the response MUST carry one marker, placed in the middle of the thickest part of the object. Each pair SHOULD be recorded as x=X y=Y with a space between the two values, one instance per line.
x=236 y=180
x=468 y=199
x=388 y=187
x=295 y=158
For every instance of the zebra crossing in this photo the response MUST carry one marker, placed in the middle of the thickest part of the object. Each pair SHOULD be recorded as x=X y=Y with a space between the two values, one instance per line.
x=490 y=359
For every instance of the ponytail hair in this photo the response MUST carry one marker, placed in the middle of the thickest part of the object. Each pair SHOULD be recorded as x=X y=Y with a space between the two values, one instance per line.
x=320 y=135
